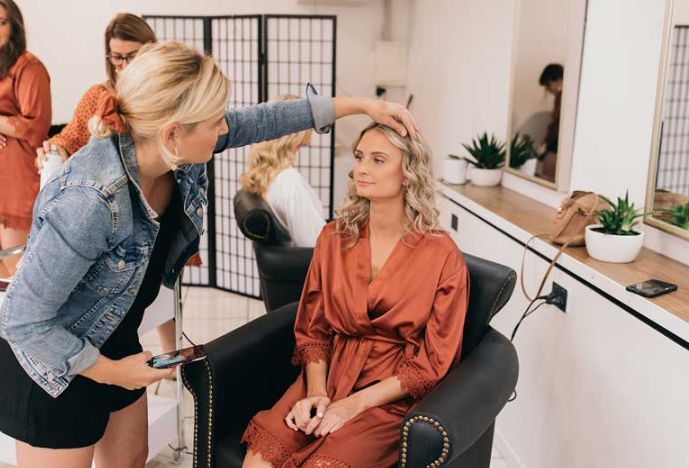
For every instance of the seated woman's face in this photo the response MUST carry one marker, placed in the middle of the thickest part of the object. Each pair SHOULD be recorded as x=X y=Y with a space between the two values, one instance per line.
x=377 y=168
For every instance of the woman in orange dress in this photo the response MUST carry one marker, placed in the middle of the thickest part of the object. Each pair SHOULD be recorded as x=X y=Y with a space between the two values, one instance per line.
x=124 y=36
x=379 y=322
x=24 y=122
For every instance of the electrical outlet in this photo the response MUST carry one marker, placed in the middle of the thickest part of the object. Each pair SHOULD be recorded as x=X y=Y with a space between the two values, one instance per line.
x=560 y=300
x=454 y=221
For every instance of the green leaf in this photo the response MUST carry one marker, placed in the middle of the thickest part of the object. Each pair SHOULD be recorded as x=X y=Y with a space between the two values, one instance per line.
x=486 y=153
x=621 y=217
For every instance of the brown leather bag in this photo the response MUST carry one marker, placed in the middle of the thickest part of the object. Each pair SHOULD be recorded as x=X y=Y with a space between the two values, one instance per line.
x=577 y=210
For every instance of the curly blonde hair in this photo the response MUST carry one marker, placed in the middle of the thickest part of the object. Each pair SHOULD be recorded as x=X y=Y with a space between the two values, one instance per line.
x=419 y=194
x=268 y=158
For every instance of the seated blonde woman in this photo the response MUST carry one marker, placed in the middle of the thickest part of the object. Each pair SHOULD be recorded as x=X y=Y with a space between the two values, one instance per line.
x=271 y=175
x=380 y=319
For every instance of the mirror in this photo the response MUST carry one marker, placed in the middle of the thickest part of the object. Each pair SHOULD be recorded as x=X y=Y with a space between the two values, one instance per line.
x=667 y=197
x=546 y=58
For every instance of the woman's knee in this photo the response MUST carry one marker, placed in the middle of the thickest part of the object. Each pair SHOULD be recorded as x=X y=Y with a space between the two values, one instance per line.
x=255 y=460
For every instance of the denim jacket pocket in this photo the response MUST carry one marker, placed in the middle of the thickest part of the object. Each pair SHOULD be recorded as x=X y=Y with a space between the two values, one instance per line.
x=114 y=271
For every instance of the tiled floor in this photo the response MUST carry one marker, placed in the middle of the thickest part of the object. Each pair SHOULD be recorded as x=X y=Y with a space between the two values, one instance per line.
x=208 y=314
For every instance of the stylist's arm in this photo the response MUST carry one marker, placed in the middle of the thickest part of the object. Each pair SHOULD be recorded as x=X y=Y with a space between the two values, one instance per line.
x=268 y=121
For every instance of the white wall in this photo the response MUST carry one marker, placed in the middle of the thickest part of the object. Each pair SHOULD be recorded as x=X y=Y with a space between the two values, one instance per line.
x=459 y=66
x=617 y=96
x=597 y=387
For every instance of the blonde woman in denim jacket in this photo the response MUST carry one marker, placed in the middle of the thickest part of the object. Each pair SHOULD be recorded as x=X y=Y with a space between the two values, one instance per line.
x=124 y=216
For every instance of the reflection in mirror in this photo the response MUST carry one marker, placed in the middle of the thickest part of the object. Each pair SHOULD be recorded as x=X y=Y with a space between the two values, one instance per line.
x=668 y=187
x=548 y=37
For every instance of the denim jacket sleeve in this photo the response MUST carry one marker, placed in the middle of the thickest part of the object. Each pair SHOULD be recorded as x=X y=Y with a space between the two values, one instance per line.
x=72 y=231
x=268 y=121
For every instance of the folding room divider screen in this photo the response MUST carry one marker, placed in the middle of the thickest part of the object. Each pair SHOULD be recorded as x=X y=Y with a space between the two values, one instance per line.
x=264 y=56
x=673 y=163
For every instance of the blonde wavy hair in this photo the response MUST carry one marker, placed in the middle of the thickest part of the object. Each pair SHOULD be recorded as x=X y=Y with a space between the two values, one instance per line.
x=167 y=82
x=268 y=158
x=419 y=194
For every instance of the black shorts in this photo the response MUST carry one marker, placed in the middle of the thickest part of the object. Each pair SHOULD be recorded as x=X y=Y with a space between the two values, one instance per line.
x=79 y=416
x=76 y=418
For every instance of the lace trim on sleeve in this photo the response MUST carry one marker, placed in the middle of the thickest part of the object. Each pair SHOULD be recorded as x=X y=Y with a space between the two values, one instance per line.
x=412 y=379
x=311 y=352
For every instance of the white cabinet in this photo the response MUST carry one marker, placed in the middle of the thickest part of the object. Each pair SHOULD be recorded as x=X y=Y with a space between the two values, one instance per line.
x=598 y=387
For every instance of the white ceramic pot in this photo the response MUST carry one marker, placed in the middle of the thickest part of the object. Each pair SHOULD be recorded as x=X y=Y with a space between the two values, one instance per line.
x=612 y=248
x=486 y=177
x=529 y=167
x=454 y=171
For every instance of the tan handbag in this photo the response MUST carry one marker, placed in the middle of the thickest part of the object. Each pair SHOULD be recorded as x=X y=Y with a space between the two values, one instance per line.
x=577 y=210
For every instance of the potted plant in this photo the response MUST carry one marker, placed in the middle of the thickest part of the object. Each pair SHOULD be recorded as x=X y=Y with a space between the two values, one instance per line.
x=488 y=159
x=678 y=215
x=454 y=169
x=523 y=154
x=614 y=239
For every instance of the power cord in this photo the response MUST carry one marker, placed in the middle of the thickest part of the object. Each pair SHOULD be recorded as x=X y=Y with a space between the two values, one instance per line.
x=552 y=299
x=185 y=336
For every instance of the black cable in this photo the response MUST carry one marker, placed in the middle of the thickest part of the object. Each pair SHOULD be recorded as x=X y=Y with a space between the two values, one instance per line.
x=185 y=336
x=526 y=313
x=547 y=299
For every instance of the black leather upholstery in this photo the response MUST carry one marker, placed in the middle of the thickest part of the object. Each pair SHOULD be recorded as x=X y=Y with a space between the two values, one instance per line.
x=281 y=266
x=249 y=369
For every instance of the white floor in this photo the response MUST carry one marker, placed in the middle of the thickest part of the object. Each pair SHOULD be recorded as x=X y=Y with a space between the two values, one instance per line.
x=208 y=314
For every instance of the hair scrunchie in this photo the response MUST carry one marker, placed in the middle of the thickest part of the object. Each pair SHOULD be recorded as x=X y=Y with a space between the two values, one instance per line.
x=108 y=111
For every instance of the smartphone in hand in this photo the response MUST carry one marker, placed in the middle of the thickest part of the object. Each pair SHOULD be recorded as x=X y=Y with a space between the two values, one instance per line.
x=178 y=357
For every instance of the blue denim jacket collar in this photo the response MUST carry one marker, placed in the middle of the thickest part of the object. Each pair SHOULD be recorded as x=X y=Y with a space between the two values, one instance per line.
x=182 y=176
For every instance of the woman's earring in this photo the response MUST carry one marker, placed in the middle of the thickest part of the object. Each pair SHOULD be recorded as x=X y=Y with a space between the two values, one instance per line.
x=176 y=154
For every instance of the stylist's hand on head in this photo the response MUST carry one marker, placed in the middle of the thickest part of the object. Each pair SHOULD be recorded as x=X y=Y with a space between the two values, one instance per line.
x=45 y=149
x=131 y=372
x=391 y=114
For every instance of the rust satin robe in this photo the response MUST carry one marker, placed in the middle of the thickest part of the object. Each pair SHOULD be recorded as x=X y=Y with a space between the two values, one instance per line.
x=25 y=100
x=407 y=323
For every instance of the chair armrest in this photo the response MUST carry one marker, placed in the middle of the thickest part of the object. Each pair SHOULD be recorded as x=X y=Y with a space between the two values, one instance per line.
x=246 y=370
x=465 y=403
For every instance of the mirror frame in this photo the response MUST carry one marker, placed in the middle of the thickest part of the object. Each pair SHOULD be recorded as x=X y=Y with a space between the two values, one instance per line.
x=576 y=11
x=657 y=127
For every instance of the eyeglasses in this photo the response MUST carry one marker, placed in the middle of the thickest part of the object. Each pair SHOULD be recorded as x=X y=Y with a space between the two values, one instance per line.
x=117 y=59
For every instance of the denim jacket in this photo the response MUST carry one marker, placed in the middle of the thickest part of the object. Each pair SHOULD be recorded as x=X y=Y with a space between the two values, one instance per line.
x=92 y=237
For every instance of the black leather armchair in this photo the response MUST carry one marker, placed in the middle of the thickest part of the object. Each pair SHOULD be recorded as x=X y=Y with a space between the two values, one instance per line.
x=282 y=267
x=249 y=369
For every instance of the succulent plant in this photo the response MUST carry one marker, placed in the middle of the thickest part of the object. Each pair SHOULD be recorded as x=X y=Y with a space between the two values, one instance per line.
x=621 y=218
x=679 y=215
x=521 y=150
x=486 y=153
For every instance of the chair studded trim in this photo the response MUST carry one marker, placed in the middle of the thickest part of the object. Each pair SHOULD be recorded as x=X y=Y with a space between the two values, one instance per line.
x=254 y=235
x=438 y=427
x=209 y=441
x=495 y=308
